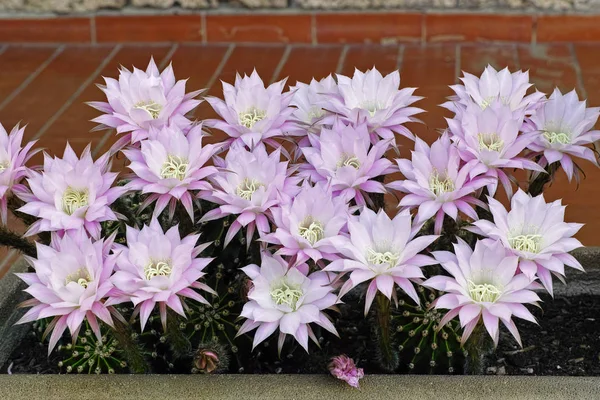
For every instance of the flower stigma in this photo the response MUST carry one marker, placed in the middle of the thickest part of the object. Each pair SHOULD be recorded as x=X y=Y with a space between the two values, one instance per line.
x=311 y=230
x=161 y=268
x=74 y=199
x=151 y=107
x=251 y=117
x=483 y=292
x=286 y=295
x=174 y=168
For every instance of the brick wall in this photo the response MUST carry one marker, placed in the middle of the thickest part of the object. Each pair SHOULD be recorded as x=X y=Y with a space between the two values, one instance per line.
x=79 y=6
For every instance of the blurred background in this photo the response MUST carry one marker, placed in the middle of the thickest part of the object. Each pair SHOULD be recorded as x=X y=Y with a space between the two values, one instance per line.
x=53 y=52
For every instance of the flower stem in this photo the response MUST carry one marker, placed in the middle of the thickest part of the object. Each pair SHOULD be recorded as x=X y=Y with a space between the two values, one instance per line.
x=536 y=186
x=180 y=344
x=388 y=358
x=128 y=343
x=480 y=347
x=11 y=239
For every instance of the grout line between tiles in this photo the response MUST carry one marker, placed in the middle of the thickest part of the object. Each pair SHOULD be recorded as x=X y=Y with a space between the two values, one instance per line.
x=220 y=67
x=168 y=56
x=578 y=72
x=31 y=77
x=77 y=92
x=400 y=57
x=282 y=62
x=457 y=64
x=93 y=29
x=340 y=65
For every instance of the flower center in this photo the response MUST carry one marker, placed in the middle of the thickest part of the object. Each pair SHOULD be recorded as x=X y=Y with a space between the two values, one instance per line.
x=378 y=258
x=440 y=186
x=372 y=106
x=286 y=295
x=251 y=117
x=174 y=168
x=4 y=166
x=247 y=188
x=490 y=141
x=151 y=107
x=529 y=243
x=311 y=230
x=349 y=161
x=483 y=292
x=74 y=199
x=557 y=137
x=161 y=268
x=315 y=113
x=80 y=277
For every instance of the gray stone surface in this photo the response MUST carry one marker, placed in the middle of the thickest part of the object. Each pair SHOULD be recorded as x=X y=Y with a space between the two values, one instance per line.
x=582 y=283
x=78 y=6
x=11 y=294
x=267 y=387
x=263 y=3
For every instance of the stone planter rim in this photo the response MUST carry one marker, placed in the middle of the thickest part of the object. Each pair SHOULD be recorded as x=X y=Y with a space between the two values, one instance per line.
x=266 y=387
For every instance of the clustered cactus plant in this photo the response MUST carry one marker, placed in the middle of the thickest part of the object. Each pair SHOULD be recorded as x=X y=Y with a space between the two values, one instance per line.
x=214 y=257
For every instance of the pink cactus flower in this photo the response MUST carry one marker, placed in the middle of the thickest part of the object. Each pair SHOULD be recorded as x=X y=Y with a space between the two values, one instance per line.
x=169 y=166
x=139 y=100
x=503 y=86
x=369 y=97
x=566 y=128
x=344 y=368
x=12 y=166
x=71 y=193
x=490 y=140
x=309 y=99
x=537 y=233
x=285 y=298
x=249 y=185
x=437 y=184
x=160 y=268
x=70 y=283
x=383 y=251
x=253 y=114
x=484 y=286
x=344 y=156
x=306 y=225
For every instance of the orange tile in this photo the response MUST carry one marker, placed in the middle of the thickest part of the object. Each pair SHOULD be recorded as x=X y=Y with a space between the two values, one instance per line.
x=568 y=28
x=384 y=28
x=306 y=62
x=74 y=124
x=149 y=28
x=259 y=28
x=52 y=87
x=384 y=58
x=17 y=63
x=58 y=29
x=549 y=66
x=478 y=28
x=474 y=58
x=431 y=69
x=588 y=56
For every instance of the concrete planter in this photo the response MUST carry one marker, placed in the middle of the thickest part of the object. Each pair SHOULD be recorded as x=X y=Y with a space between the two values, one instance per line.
x=266 y=387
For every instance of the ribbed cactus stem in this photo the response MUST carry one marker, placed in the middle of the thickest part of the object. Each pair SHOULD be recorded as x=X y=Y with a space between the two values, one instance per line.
x=177 y=339
x=131 y=349
x=536 y=186
x=388 y=356
x=479 y=347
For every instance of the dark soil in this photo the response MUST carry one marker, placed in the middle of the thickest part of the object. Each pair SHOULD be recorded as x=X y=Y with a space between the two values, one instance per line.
x=567 y=342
